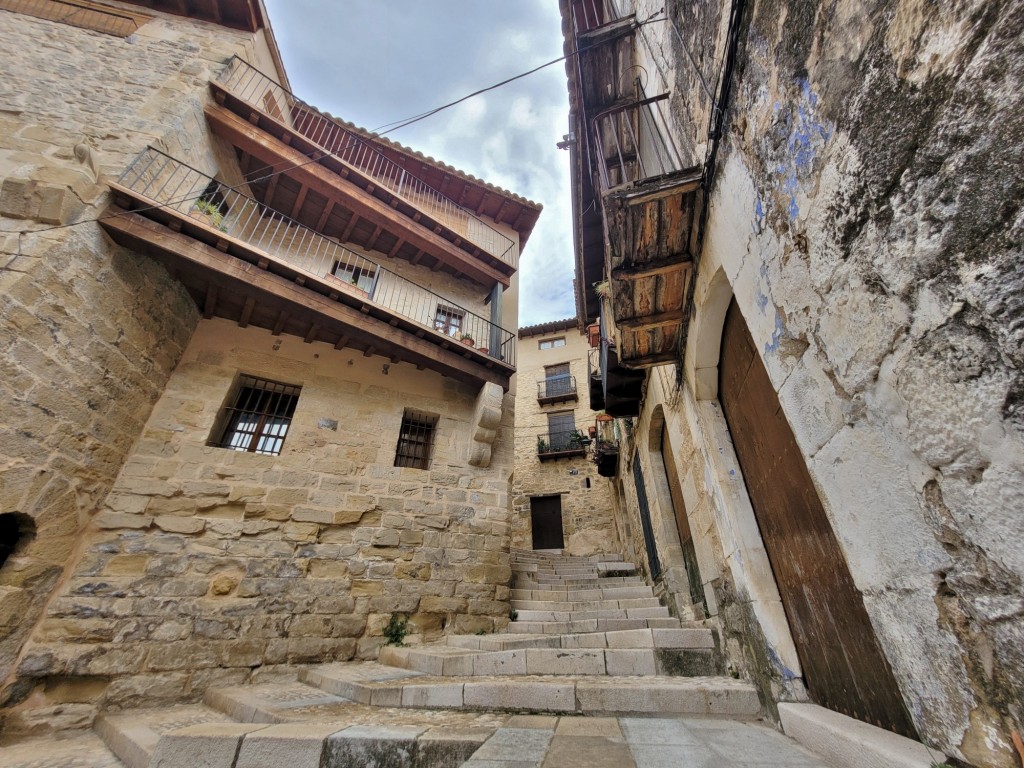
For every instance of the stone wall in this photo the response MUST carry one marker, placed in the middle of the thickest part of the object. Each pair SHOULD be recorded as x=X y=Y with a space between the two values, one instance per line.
x=90 y=332
x=586 y=497
x=208 y=564
x=866 y=219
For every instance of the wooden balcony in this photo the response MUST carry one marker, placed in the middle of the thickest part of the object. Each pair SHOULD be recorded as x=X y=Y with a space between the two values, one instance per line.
x=351 y=190
x=244 y=262
x=623 y=387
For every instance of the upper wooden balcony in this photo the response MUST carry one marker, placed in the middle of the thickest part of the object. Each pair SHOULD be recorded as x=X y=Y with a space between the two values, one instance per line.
x=650 y=199
x=339 y=184
x=243 y=261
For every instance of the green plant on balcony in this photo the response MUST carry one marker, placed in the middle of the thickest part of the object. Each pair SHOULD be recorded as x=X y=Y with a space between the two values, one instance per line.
x=210 y=212
x=578 y=440
x=542 y=445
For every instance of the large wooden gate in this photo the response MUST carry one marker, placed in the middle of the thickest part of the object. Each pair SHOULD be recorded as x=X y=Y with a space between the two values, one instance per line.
x=844 y=668
x=546 y=522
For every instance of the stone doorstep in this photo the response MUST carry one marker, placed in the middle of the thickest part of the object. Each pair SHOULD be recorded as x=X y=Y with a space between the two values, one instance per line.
x=847 y=743
x=647 y=694
x=658 y=612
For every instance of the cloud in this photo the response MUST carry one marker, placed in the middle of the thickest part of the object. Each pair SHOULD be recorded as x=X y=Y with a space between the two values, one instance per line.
x=375 y=62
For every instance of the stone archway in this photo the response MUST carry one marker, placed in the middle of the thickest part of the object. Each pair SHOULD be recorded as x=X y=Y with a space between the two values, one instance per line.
x=707 y=336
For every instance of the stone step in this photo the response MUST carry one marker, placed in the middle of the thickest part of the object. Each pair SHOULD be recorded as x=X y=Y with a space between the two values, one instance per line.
x=541 y=556
x=543 y=568
x=696 y=638
x=446 y=661
x=584 y=605
x=590 y=625
x=133 y=735
x=528 y=581
x=590 y=695
x=572 y=594
x=656 y=612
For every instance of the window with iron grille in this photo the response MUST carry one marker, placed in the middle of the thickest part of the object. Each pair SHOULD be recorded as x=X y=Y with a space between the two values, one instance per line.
x=560 y=430
x=415 y=439
x=448 y=320
x=257 y=417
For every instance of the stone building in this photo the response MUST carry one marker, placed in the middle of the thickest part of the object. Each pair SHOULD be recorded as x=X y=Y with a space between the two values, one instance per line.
x=799 y=228
x=559 y=499
x=257 y=388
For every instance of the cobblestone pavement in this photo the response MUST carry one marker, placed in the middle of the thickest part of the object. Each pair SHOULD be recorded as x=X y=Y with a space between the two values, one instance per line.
x=534 y=741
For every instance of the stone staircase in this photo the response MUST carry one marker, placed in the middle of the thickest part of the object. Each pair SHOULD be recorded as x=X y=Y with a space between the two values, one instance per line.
x=589 y=638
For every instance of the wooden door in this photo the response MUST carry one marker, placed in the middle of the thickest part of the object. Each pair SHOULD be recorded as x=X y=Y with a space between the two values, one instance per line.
x=697 y=599
x=653 y=563
x=546 y=522
x=844 y=667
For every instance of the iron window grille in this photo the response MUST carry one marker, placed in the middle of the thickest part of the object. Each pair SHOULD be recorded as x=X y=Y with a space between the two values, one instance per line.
x=557 y=380
x=415 y=439
x=258 y=418
x=448 y=320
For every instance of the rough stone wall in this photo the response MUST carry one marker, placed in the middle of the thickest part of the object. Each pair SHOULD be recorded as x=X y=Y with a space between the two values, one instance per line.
x=868 y=219
x=210 y=565
x=90 y=332
x=587 y=512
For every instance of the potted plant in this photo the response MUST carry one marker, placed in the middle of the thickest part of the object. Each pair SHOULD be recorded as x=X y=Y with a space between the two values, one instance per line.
x=578 y=439
x=603 y=288
x=542 y=445
x=594 y=335
x=467 y=340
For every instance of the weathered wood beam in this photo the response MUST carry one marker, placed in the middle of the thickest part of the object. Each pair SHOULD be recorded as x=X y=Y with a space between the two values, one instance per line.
x=652 y=269
x=326 y=214
x=346 y=234
x=210 y=305
x=250 y=305
x=342 y=341
x=311 y=334
x=300 y=200
x=672 y=317
x=282 y=318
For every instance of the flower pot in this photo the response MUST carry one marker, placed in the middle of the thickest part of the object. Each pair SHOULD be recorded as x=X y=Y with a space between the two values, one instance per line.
x=468 y=341
x=594 y=335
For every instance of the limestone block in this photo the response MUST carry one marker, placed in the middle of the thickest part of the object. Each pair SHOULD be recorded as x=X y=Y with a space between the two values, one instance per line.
x=551 y=697
x=297 y=746
x=211 y=745
x=177 y=524
x=373 y=745
x=111 y=520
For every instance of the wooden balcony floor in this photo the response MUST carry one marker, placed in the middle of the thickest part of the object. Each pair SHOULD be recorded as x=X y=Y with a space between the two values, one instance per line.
x=229 y=279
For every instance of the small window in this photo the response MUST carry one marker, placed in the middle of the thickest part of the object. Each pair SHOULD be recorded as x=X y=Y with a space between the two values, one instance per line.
x=16 y=532
x=561 y=428
x=448 y=320
x=552 y=343
x=258 y=417
x=415 y=440
x=361 y=274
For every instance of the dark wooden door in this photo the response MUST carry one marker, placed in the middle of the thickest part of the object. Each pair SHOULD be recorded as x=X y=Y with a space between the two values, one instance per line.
x=546 y=522
x=843 y=665
x=675 y=488
x=653 y=563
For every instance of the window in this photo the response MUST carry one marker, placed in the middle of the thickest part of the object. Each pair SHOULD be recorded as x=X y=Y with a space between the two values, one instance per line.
x=415 y=439
x=557 y=380
x=80 y=13
x=560 y=430
x=16 y=532
x=258 y=417
x=448 y=320
x=361 y=275
x=272 y=107
x=552 y=343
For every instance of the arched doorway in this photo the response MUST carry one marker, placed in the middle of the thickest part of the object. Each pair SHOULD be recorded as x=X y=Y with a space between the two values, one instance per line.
x=844 y=667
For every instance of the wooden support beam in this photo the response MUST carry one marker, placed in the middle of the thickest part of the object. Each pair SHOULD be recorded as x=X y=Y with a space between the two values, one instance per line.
x=483 y=202
x=372 y=242
x=346 y=234
x=250 y=305
x=652 y=268
x=299 y=201
x=210 y=305
x=369 y=351
x=396 y=248
x=322 y=221
x=671 y=317
x=272 y=189
x=342 y=341
x=311 y=334
x=282 y=318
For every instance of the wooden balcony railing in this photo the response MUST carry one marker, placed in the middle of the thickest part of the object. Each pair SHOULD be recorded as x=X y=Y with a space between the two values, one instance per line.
x=269 y=97
x=161 y=182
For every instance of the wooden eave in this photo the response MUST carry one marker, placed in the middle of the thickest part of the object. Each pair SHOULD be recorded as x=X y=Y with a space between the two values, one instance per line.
x=337 y=184
x=228 y=278
x=238 y=14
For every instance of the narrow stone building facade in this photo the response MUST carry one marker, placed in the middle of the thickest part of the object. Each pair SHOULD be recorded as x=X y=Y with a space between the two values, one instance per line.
x=560 y=501
x=256 y=375
x=835 y=362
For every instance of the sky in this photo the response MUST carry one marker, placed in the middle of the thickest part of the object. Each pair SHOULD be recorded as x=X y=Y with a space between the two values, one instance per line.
x=374 y=62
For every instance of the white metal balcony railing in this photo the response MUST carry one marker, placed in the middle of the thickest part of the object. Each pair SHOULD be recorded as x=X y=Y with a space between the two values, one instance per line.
x=160 y=180
x=262 y=93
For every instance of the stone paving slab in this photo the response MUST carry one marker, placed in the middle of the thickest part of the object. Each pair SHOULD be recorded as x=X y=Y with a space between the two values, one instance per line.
x=86 y=751
x=133 y=735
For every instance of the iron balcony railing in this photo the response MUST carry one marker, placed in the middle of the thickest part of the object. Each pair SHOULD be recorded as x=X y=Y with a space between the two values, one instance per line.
x=262 y=93
x=556 y=387
x=634 y=143
x=164 y=182
x=588 y=15
x=562 y=442
x=594 y=362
